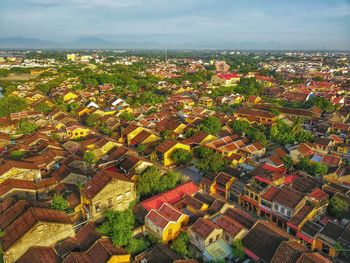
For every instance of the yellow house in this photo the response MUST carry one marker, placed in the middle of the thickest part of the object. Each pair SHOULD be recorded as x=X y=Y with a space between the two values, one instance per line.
x=107 y=190
x=194 y=205
x=144 y=137
x=41 y=226
x=165 y=149
x=165 y=223
x=69 y=95
x=19 y=170
x=205 y=102
x=76 y=132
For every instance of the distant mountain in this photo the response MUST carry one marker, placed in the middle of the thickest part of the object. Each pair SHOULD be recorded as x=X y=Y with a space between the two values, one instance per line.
x=25 y=42
x=97 y=43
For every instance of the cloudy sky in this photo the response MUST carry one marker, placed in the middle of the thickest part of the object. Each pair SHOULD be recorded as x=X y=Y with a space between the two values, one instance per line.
x=305 y=23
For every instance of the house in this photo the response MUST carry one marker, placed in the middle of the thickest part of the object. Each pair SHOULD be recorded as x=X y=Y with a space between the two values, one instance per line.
x=199 y=139
x=77 y=131
x=263 y=240
x=286 y=204
x=203 y=233
x=205 y=102
x=165 y=223
x=35 y=227
x=232 y=229
x=165 y=150
x=225 y=79
x=289 y=252
x=302 y=150
x=106 y=190
x=255 y=115
x=161 y=253
x=102 y=250
x=330 y=236
x=40 y=254
x=69 y=95
x=19 y=170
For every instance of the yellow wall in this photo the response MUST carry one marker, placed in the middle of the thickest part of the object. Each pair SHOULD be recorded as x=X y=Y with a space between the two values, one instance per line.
x=69 y=96
x=167 y=156
x=119 y=259
x=78 y=133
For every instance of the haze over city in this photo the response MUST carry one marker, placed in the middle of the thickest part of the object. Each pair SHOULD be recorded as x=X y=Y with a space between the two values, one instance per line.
x=195 y=24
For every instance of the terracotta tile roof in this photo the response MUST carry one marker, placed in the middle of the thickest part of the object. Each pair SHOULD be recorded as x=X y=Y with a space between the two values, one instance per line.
x=99 y=181
x=17 y=209
x=203 y=227
x=241 y=217
x=288 y=252
x=229 y=225
x=39 y=255
x=157 y=218
x=11 y=184
x=170 y=196
x=270 y=193
x=27 y=220
x=165 y=146
x=9 y=164
x=264 y=239
x=193 y=202
x=77 y=257
x=195 y=139
x=299 y=217
x=129 y=129
x=170 y=212
x=223 y=178
x=289 y=197
x=103 y=250
x=312 y=258
x=139 y=138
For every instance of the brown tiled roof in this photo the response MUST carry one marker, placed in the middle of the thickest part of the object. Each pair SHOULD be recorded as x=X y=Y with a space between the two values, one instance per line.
x=192 y=201
x=223 y=178
x=139 y=138
x=16 y=210
x=39 y=255
x=203 y=227
x=103 y=250
x=264 y=239
x=27 y=220
x=288 y=252
x=99 y=181
x=130 y=128
x=157 y=218
x=303 y=212
x=165 y=146
x=170 y=212
x=229 y=225
x=312 y=258
x=11 y=184
x=270 y=193
x=77 y=257
x=195 y=139
x=289 y=197
x=241 y=217
x=16 y=164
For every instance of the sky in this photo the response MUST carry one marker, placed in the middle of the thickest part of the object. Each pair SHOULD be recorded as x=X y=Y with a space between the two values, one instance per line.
x=310 y=24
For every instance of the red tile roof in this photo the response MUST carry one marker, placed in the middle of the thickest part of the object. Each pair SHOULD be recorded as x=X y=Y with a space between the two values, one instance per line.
x=203 y=227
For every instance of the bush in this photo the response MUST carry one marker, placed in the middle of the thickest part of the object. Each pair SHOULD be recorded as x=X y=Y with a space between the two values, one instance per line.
x=181 y=156
x=11 y=104
x=180 y=244
x=136 y=246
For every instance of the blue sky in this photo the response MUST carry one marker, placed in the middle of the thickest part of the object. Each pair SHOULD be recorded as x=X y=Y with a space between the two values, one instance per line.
x=303 y=23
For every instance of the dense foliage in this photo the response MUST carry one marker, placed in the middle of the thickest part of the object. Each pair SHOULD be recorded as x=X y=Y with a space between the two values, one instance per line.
x=180 y=244
x=181 y=156
x=252 y=132
x=152 y=181
x=11 y=104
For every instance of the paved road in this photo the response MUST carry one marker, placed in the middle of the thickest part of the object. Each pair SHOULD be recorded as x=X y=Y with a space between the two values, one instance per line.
x=191 y=172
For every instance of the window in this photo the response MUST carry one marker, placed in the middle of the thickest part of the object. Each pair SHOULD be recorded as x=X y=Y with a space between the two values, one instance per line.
x=217 y=236
x=128 y=193
x=211 y=240
x=119 y=198
x=276 y=207
x=81 y=133
x=110 y=202
x=97 y=208
x=227 y=238
x=289 y=213
x=282 y=210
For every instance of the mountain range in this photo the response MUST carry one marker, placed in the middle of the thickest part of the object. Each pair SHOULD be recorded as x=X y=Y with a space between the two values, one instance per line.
x=98 y=43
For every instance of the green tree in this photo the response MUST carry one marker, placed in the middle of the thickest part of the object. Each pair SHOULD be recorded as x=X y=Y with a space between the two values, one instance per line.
x=118 y=226
x=11 y=104
x=181 y=156
x=213 y=163
x=91 y=120
x=59 y=203
x=180 y=244
x=26 y=127
x=152 y=181
x=338 y=207
x=90 y=157
x=43 y=107
x=136 y=246
x=288 y=162
x=238 y=251
x=127 y=116
x=210 y=125
x=17 y=154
